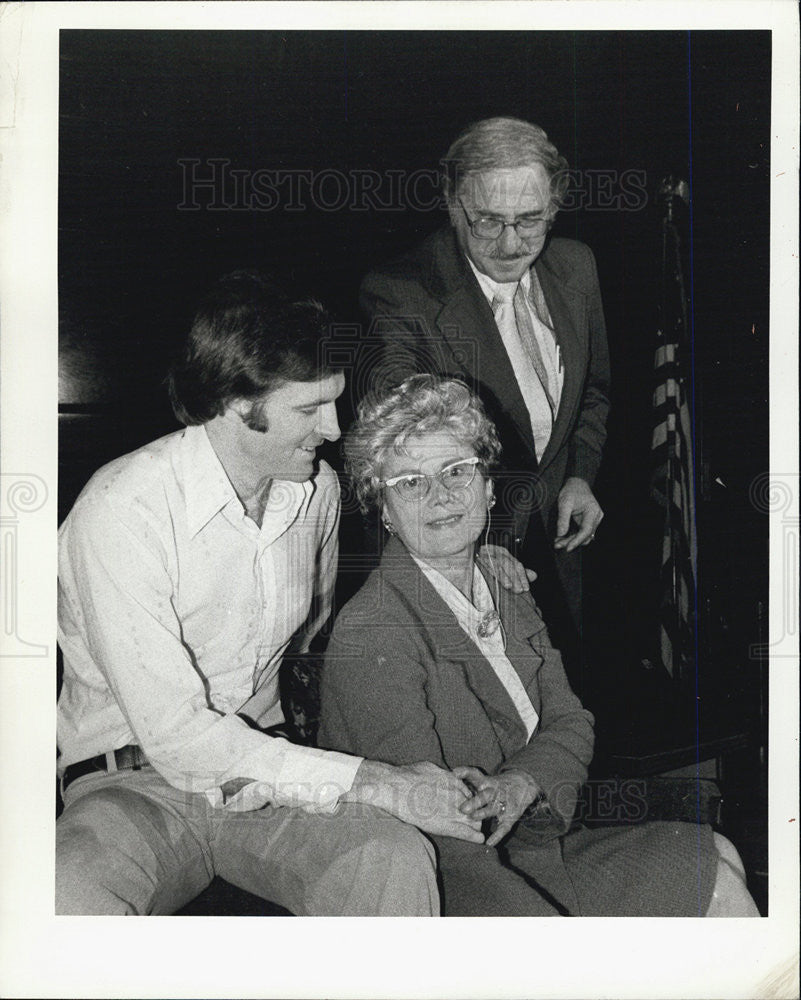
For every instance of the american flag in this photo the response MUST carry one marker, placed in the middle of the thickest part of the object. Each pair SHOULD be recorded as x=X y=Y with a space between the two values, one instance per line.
x=672 y=482
x=672 y=487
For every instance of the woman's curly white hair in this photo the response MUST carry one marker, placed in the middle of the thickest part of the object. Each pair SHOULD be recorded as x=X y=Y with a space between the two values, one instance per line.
x=419 y=405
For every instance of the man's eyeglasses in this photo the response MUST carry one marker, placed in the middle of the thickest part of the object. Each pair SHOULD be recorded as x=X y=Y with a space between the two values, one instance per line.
x=490 y=229
x=415 y=486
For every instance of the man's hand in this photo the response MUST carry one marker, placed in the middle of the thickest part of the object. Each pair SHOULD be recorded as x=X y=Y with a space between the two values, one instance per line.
x=422 y=794
x=508 y=571
x=577 y=502
x=505 y=796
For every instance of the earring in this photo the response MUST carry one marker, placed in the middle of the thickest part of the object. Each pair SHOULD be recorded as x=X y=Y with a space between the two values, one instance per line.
x=388 y=525
x=491 y=502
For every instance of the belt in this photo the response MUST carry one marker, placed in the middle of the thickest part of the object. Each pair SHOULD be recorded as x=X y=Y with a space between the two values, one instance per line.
x=127 y=758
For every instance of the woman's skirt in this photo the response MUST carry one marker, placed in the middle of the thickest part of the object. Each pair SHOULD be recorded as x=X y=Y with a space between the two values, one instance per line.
x=646 y=870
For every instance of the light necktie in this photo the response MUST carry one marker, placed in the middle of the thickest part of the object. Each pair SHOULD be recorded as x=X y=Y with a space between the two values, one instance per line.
x=517 y=332
x=525 y=329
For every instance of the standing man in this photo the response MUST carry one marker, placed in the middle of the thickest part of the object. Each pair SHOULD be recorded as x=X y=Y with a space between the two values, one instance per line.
x=187 y=570
x=493 y=299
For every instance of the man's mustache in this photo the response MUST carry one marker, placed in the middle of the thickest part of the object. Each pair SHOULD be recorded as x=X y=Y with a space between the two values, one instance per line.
x=497 y=255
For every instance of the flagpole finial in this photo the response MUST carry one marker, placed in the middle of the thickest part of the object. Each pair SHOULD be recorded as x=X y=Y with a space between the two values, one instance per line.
x=670 y=188
x=675 y=187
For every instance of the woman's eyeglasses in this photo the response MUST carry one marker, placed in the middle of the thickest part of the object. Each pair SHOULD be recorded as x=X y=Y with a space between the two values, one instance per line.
x=415 y=486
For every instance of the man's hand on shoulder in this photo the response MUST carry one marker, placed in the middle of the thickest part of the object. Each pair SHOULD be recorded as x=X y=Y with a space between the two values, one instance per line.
x=507 y=570
x=424 y=795
x=576 y=502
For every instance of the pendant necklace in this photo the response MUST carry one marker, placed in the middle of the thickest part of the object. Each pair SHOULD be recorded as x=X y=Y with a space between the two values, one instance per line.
x=489 y=624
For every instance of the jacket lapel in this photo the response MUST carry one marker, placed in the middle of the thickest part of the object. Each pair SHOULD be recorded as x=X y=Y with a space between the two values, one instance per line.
x=521 y=627
x=468 y=327
x=567 y=308
x=453 y=649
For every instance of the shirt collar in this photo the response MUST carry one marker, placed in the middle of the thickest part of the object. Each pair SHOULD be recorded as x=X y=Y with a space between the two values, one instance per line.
x=207 y=488
x=490 y=287
x=463 y=608
x=285 y=502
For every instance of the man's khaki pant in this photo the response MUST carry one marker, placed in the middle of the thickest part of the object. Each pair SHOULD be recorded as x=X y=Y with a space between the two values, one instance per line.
x=129 y=843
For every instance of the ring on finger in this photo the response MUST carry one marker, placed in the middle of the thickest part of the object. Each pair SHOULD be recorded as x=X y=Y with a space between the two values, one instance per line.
x=498 y=803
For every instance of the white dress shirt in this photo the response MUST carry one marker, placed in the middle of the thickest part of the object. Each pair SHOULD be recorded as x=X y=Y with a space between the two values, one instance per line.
x=175 y=611
x=539 y=409
x=469 y=614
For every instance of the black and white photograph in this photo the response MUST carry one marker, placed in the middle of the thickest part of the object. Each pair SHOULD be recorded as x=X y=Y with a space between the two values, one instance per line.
x=416 y=532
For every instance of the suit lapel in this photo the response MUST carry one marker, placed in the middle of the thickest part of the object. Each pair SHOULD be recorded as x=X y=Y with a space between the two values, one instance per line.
x=517 y=621
x=468 y=328
x=567 y=308
x=453 y=649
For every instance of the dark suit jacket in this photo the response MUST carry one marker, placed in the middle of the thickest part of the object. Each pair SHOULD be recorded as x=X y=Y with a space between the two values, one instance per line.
x=429 y=313
x=403 y=683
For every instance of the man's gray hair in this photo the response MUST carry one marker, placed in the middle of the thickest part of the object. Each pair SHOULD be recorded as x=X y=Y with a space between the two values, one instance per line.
x=503 y=143
x=422 y=404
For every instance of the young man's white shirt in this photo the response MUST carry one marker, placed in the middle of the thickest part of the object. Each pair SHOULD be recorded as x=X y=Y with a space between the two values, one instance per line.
x=175 y=611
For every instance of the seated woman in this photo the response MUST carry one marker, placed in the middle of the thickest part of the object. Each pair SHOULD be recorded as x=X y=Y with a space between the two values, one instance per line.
x=433 y=661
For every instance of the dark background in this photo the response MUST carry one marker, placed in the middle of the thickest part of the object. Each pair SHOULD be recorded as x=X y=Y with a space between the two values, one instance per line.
x=134 y=258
